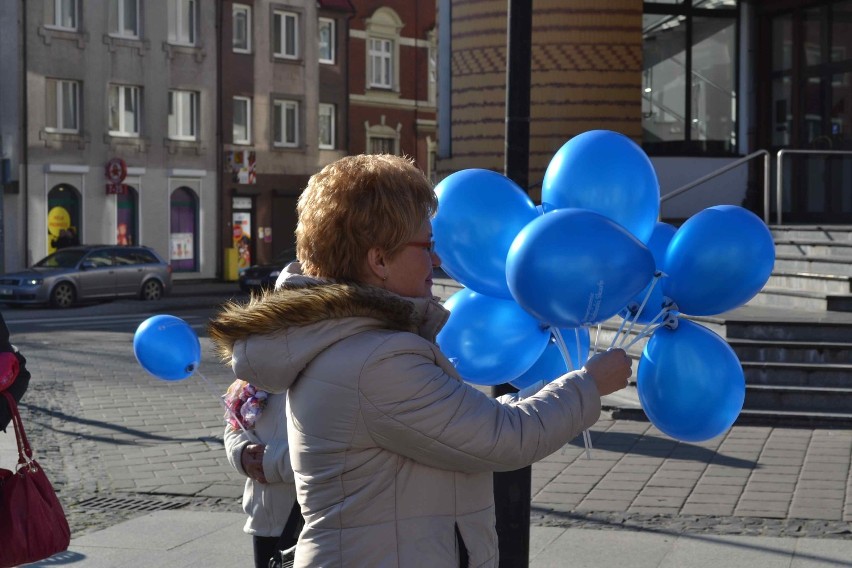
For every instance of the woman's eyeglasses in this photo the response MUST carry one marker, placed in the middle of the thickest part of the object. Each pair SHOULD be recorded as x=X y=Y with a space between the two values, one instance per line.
x=425 y=245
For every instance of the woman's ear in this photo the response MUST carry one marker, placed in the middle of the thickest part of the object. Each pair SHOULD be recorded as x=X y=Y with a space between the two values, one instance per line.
x=377 y=270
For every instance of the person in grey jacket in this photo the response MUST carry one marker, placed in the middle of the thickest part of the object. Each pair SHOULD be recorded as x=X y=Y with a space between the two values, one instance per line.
x=393 y=453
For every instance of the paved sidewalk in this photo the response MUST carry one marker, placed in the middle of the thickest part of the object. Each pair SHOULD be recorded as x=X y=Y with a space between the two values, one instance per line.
x=182 y=539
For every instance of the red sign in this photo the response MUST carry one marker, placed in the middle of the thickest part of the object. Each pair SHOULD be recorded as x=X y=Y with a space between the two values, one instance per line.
x=116 y=171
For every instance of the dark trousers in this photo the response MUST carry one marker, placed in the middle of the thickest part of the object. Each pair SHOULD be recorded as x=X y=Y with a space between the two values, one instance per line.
x=267 y=547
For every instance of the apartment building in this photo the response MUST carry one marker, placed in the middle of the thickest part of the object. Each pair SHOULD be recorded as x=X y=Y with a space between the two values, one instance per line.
x=116 y=127
x=283 y=112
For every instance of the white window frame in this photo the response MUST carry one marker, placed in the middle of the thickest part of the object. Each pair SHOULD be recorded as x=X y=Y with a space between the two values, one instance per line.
x=61 y=9
x=247 y=139
x=120 y=7
x=280 y=108
x=330 y=111
x=280 y=18
x=180 y=103
x=181 y=31
x=380 y=54
x=245 y=10
x=122 y=94
x=62 y=88
x=332 y=40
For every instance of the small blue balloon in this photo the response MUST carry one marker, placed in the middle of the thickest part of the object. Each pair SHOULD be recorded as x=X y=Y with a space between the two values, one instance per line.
x=657 y=244
x=691 y=384
x=718 y=260
x=167 y=347
x=607 y=172
x=552 y=364
x=575 y=267
x=479 y=214
x=493 y=340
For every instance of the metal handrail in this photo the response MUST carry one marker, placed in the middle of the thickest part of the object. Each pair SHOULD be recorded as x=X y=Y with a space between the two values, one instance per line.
x=779 y=180
x=727 y=168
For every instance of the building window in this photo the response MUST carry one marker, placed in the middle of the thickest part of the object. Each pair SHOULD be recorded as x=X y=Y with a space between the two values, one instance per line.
x=286 y=34
x=242 y=120
x=62 y=14
x=183 y=21
x=63 y=106
x=326 y=126
x=241 y=41
x=124 y=110
x=382 y=145
x=124 y=18
x=286 y=124
x=326 y=40
x=381 y=63
x=183 y=115
x=383 y=29
x=689 y=85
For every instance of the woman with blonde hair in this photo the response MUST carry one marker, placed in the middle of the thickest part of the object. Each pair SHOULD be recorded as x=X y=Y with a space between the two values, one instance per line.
x=392 y=452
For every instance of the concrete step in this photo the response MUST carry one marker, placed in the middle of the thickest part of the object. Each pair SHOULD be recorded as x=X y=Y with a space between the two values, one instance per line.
x=831 y=375
x=804 y=300
x=811 y=233
x=799 y=399
x=810 y=282
x=829 y=249
x=814 y=327
x=792 y=351
x=821 y=265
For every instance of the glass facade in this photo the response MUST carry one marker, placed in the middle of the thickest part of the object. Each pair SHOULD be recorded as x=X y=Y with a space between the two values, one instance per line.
x=689 y=87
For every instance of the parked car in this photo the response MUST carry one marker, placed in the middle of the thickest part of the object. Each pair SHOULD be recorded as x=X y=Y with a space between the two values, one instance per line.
x=263 y=276
x=89 y=272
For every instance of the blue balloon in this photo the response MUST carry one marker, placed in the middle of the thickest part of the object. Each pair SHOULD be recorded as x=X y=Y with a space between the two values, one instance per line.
x=718 y=260
x=690 y=382
x=608 y=173
x=552 y=364
x=167 y=347
x=479 y=214
x=574 y=267
x=657 y=244
x=492 y=340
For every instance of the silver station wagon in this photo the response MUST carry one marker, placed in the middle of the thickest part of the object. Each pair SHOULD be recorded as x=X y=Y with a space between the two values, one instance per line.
x=89 y=272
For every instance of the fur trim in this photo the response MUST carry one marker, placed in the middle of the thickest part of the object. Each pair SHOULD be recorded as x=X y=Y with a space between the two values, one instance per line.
x=295 y=306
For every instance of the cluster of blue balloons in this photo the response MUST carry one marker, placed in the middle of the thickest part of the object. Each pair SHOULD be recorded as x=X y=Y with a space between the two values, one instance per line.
x=595 y=249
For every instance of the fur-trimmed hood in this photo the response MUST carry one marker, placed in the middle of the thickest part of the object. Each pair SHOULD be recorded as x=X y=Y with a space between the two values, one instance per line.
x=303 y=317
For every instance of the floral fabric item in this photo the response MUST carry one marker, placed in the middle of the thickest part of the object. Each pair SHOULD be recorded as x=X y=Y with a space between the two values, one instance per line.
x=245 y=403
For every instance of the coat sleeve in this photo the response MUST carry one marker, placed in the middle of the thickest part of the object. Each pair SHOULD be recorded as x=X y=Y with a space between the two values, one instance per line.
x=235 y=442
x=411 y=406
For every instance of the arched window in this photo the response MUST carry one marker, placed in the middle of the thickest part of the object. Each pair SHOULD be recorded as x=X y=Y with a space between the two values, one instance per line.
x=383 y=38
x=126 y=217
x=184 y=230
x=63 y=216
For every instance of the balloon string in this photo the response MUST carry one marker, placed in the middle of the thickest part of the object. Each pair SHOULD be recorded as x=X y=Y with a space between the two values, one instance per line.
x=239 y=422
x=618 y=333
x=642 y=332
x=597 y=336
x=657 y=276
x=566 y=356
x=582 y=360
x=648 y=330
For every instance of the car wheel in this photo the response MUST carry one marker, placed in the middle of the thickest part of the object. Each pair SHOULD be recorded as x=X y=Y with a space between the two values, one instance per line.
x=151 y=290
x=63 y=295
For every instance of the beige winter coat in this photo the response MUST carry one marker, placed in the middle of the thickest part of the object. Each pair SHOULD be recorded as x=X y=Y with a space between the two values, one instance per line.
x=392 y=453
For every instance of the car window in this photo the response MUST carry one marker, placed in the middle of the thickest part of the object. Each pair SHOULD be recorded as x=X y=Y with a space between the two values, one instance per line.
x=61 y=259
x=128 y=256
x=100 y=258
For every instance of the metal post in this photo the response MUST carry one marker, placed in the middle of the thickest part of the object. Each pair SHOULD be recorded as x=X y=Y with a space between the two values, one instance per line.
x=512 y=489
